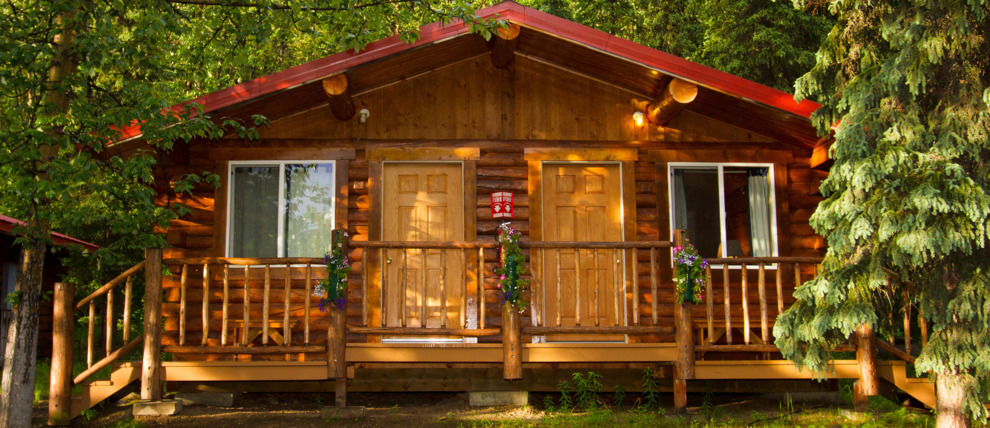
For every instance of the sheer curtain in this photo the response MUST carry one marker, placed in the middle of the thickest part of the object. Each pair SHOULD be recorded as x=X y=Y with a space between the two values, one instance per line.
x=254 y=211
x=759 y=212
x=680 y=201
x=308 y=209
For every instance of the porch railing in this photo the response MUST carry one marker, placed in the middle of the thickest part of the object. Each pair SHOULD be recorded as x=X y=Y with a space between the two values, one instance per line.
x=622 y=259
x=735 y=280
x=255 y=298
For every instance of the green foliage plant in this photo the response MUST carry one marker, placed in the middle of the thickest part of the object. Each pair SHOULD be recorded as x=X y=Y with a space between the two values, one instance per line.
x=689 y=274
x=333 y=289
x=513 y=290
x=619 y=396
x=587 y=389
x=651 y=390
x=906 y=94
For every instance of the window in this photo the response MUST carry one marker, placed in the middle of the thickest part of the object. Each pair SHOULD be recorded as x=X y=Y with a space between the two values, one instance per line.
x=727 y=209
x=280 y=209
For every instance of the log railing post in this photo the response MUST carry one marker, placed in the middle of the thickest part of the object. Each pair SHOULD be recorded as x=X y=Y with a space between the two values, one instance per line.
x=866 y=356
x=336 y=352
x=151 y=374
x=60 y=388
x=511 y=348
x=684 y=340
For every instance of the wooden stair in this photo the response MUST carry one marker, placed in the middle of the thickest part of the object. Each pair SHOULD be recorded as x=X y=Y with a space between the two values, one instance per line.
x=97 y=390
x=921 y=389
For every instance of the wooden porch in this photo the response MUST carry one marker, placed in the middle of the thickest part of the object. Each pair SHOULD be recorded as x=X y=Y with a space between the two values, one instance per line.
x=234 y=319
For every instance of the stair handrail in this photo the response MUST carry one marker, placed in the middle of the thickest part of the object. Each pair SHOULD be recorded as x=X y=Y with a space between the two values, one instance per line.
x=64 y=317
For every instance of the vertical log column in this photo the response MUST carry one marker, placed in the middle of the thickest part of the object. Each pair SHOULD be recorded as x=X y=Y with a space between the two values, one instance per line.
x=866 y=356
x=511 y=348
x=337 y=338
x=60 y=389
x=151 y=367
x=684 y=341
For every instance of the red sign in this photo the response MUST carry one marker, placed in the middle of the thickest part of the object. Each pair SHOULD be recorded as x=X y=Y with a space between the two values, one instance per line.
x=502 y=205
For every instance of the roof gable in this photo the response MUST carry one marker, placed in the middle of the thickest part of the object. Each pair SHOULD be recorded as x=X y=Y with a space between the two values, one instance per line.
x=567 y=45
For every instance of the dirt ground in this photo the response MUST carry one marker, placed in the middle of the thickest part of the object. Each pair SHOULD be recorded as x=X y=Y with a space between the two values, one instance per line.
x=406 y=410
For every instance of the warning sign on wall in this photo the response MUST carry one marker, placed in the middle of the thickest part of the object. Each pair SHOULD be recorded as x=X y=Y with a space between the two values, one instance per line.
x=502 y=205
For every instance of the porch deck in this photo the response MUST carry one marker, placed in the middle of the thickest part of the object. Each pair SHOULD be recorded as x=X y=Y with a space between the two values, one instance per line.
x=229 y=319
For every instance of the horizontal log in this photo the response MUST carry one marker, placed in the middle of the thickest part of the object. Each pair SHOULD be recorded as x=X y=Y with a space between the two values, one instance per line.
x=592 y=245
x=736 y=348
x=243 y=261
x=598 y=330
x=413 y=331
x=242 y=349
x=765 y=260
x=424 y=244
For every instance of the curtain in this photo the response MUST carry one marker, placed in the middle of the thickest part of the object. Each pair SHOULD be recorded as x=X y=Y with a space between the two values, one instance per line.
x=680 y=201
x=759 y=211
x=308 y=209
x=254 y=211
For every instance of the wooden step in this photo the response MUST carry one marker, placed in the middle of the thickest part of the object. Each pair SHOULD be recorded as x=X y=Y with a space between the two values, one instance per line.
x=95 y=391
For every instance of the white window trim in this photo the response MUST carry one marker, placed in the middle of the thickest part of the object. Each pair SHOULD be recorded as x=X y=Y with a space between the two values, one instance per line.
x=721 y=202
x=281 y=194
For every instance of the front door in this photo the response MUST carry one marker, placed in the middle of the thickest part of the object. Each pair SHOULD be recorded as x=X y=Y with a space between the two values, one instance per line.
x=423 y=202
x=582 y=202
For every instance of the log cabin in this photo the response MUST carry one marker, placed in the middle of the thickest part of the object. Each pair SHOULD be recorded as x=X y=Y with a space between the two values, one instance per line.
x=10 y=254
x=613 y=152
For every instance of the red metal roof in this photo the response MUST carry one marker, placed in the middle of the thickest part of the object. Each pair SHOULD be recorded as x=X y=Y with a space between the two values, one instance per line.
x=526 y=17
x=7 y=225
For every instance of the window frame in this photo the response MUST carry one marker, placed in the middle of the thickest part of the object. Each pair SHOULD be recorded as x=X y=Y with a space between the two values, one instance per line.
x=280 y=245
x=723 y=217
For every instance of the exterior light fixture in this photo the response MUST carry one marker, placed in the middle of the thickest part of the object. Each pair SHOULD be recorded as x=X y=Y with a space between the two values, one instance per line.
x=363 y=115
x=639 y=118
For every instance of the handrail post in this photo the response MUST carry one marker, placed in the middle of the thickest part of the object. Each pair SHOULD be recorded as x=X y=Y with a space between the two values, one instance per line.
x=866 y=356
x=337 y=333
x=336 y=352
x=60 y=389
x=151 y=372
x=511 y=348
x=685 y=342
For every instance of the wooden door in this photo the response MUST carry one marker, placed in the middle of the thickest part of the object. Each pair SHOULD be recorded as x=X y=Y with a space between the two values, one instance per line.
x=423 y=202
x=582 y=202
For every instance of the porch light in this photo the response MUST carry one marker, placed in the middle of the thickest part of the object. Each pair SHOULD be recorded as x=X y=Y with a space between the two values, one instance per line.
x=639 y=118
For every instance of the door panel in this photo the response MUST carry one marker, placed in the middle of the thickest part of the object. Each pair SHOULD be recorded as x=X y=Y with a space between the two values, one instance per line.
x=423 y=202
x=582 y=202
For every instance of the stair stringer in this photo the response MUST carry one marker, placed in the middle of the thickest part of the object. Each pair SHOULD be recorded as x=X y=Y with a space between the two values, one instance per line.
x=95 y=391
x=921 y=389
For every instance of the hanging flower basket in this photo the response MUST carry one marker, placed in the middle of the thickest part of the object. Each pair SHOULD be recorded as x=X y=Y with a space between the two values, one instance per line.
x=333 y=290
x=513 y=290
x=689 y=274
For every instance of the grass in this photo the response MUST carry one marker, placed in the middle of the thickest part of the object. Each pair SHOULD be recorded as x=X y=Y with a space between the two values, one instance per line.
x=42 y=378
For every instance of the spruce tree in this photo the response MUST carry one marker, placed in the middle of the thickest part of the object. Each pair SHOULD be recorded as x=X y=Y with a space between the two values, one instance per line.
x=904 y=88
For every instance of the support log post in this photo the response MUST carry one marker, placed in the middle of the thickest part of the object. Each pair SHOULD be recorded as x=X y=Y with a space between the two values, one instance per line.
x=684 y=340
x=672 y=99
x=336 y=348
x=504 y=44
x=511 y=348
x=151 y=371
x=60 y=389
x=866 y=357
x=339 y=96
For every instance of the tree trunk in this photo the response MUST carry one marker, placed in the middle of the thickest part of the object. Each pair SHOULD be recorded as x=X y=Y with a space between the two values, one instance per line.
x=22 y=335
x=22 y=341
x=950 y=391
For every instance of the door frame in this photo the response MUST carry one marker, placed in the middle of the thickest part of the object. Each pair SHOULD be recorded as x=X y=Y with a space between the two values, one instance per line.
x=377 y=158
x=626 y=159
